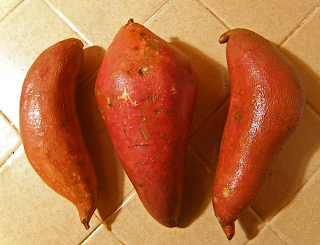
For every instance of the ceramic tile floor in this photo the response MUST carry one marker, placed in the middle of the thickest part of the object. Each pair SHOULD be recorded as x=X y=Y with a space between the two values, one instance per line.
x=286 y=212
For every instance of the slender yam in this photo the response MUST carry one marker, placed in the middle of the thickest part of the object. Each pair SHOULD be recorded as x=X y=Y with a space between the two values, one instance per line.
x=267 y=101
x=50 y=127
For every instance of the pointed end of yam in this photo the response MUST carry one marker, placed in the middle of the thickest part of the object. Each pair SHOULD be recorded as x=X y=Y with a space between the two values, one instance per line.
x=85 y=222
x=229 y=230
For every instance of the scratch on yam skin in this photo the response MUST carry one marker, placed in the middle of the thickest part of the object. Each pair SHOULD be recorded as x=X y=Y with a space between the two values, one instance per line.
x=126 y=96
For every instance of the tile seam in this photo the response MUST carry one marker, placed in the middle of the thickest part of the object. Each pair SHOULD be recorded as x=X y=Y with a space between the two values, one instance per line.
x=9 y=121
x=303 y=185
x=156 y=13
x=6 y=161
x=257 y=234
x=216 y=16
x=126 y=199
x=312 y=109
x=17 y=131
x=219 y=106
x=277 y=233
x=204 y=163
x=68 y=22
x=297 y=27
x=14 y=8
x=92 y=233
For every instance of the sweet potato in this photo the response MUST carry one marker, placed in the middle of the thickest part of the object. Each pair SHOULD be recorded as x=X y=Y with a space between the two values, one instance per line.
x=267 y=101
x=50 y=127
x=146 y=91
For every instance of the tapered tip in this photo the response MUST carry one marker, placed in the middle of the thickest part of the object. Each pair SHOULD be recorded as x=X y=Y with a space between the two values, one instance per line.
x=85 y=222
x=229 y=231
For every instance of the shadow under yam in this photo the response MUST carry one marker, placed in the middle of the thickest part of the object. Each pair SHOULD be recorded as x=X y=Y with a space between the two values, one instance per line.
x=213 y=86
x=197 y=190
x=213 y=81
x=108 y=168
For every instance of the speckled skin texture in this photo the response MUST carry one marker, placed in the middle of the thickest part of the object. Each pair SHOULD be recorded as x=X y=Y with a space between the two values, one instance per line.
x=267 y=101
x=146 y=91
x=50 y=127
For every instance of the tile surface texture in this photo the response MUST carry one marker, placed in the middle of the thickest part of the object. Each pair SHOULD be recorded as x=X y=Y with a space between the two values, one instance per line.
x=285 y=212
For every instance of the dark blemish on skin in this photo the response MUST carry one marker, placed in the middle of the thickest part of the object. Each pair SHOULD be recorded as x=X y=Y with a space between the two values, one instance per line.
x=165 y=136
x=143 y=34
x=143 y=71
x=109 y=103
x=135 y=48
x=153 y=45
x=238 y=117
x=138 y=145
x=162 y=111
x=142 y=185
x=150 y=97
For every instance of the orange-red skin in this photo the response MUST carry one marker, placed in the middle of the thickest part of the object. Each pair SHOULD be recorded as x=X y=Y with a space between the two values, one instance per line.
x=50 y=127
x=146 y=91
x=267 y=101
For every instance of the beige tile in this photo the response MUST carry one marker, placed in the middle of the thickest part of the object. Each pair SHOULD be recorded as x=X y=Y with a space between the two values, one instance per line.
x=195 y=31
x=298 y=222
x=99 y=21
x=206 y=141
x=296 y=162
x=24 y=35
x=9 y=139
x=102 y=236
x=266 y=237
x=302 y=49
x=198 y=225
x=31 y=212
x=271 y=19
x=7 y=6
x=114 y=184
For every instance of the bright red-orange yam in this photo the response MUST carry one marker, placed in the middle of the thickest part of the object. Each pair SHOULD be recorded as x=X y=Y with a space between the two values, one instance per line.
x=146 y=91
x=266 y=103
x=50 y=127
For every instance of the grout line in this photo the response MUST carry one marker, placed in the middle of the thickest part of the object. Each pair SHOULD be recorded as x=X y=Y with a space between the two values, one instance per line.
x=216 y=16
x=256 y=235
x=68 y=22
x=156 y=13
x=129 y=196
x=6 y=161
x=8 y=120
x=303 y=185
x=298 y=26
x=276 y=232
x=16 y=6
x=203 y=161
x=221 y=104
x=312 y=109
x=90 y=234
